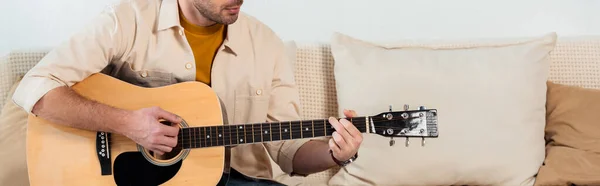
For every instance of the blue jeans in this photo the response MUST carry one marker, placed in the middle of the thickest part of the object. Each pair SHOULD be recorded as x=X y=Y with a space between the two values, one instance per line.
x=235 y=178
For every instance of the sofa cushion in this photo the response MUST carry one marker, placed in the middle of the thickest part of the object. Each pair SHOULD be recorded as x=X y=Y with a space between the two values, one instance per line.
x=573 y=135
x=490 y=96
x=13 y=128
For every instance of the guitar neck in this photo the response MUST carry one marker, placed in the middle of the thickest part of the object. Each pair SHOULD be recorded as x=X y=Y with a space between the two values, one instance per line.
x=230 y=135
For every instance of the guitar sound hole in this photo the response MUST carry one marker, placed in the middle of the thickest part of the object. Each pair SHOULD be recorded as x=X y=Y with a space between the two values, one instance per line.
x=131 y=168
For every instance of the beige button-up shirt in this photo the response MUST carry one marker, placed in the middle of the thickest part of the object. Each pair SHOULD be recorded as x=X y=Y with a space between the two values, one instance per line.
x=143 y=43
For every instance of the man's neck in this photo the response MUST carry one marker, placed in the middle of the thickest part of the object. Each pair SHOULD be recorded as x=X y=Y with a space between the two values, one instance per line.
x=192 y=15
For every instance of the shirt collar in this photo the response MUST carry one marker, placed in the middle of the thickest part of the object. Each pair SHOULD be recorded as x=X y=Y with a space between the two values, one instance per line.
x=169 y=17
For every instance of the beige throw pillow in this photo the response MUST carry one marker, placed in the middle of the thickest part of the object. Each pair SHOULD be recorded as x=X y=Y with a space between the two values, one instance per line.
x=13 y=128
x=490 y=96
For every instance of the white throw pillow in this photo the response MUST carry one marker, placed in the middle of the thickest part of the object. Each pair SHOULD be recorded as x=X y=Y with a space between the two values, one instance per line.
x=490 y=96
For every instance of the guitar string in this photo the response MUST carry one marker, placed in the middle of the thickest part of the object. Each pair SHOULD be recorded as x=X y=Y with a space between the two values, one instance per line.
x=221 y=141
x=185 y=138
x=205 y=143
x=295 y=123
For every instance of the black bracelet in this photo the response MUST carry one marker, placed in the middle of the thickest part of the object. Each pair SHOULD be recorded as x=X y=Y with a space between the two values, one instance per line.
x=343 y=163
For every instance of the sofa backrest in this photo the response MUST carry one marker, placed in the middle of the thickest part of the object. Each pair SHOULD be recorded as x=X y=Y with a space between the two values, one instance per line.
x=575 y=61
x=14 y=65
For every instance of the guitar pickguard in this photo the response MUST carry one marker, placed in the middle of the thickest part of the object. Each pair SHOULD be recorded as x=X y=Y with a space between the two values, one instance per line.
x=131 y=168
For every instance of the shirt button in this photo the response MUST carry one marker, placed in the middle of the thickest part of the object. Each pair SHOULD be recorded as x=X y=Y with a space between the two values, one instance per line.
x=144 y=74
x=258 y=92
x=188 y=66
x=181 y=32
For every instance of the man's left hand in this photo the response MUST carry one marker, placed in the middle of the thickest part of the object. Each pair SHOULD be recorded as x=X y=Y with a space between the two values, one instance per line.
x=346 y=139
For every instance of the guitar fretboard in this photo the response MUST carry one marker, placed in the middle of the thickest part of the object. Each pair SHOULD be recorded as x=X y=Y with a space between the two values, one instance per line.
x=228 y=135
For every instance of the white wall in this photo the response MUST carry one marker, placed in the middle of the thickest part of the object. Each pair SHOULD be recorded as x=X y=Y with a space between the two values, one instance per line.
x=45 y=23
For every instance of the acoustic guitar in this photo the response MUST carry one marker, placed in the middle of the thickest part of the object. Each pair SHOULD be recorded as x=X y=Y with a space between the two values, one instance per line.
x=61 y=155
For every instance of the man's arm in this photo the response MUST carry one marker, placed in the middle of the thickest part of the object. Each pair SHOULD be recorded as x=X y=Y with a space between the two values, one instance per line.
x=305 y=156
x=64 y=106
x=45 y=89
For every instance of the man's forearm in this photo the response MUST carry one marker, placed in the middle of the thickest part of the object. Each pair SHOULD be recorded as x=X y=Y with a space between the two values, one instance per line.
x=313 y=157
x=64 y=106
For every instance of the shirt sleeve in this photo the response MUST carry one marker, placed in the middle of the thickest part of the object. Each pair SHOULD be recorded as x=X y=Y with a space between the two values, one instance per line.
x=284 y=105
x=87 y=52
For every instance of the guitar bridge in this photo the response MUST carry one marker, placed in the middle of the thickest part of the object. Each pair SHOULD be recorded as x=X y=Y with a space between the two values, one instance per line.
x=103 y=152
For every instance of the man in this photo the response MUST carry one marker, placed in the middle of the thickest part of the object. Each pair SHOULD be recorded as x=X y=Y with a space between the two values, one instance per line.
x=160 y=42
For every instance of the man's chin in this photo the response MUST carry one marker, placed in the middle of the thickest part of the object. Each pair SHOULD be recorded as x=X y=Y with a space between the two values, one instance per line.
x=230 y=19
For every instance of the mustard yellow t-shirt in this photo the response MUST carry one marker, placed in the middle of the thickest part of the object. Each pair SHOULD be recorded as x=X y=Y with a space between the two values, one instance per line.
x=204 y=41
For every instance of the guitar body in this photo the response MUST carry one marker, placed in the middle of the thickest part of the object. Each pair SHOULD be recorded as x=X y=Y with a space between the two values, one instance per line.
x=61 y=155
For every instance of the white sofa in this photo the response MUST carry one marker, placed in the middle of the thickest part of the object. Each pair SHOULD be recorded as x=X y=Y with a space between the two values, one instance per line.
x=575 y=61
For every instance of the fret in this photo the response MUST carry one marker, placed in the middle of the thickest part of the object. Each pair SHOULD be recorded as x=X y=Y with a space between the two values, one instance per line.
x=219 y=135
x=187 y=136
x=320 y=130
x=328 y=128
x=212 y=136
x=240 y=134
x=226 y=135
x=313 y=127
x=252 y=133
x=201 y=142
x=276 y=131
x=271 y=131
x=266 y=132
x=190 y=140
x=306 y=130
x=180 y=139
x=205 y=143
x=286 y=133
x=301 y=130
x=296 y=130
x=361 y=124
x=204 y=134
x=248 y=134
x=256 y=132
x=233 y=133
x=186 y=140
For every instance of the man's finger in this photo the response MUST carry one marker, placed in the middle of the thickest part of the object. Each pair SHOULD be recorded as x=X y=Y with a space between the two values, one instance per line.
x=157 y=151
x=163 y=149
x=350 y=113
x=352 y=130
x=340 y=128
x=162 y=114
x=334 y=147
x=171 y=131
x=168 y=141
x=340 y=141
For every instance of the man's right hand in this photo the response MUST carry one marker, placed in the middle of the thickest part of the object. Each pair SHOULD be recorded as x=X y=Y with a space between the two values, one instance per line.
x=144 y=128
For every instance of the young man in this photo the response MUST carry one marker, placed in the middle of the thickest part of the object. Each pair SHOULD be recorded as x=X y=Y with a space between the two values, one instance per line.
x=160 y=42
